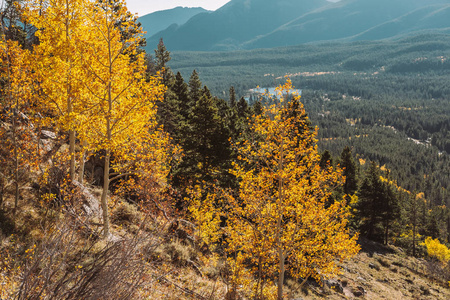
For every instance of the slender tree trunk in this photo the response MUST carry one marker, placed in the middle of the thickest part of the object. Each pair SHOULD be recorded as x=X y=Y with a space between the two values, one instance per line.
x=69 y=98
x=448 y=228
x=281 y=275
x=72 y=151
x=281 y=257
x=82 y=163
x=106 y=180
x=104 y=199
x=16 y=163
x=259 y=287
x=414 y=240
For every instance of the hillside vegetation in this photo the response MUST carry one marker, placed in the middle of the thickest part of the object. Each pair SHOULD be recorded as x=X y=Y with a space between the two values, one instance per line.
x=119 y=179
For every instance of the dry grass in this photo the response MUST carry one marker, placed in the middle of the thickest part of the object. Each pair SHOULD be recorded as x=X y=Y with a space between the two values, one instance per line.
x=399 y=277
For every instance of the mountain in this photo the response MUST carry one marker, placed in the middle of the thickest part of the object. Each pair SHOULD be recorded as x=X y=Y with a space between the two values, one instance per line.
x=425 y=18
x=357 y=20
x=160 y=20
x=251 y=24
x=233 y=24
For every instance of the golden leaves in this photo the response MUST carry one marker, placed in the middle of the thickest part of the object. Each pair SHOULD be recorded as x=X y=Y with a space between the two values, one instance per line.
x=437 y=250
x=281 y=212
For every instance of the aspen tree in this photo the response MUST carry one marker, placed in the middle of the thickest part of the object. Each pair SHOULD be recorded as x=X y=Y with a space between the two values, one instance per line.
x=57 y=64
x=16 y=143
x=123 y=118
x=279 y=221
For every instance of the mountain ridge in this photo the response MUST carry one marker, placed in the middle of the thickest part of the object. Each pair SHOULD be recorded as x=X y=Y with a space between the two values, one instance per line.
x=160 y=20
x=252 y=24
x=223 y=28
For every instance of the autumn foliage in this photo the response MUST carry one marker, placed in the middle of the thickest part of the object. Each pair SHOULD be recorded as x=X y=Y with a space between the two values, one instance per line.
x=86 y=80
x=280 y=220
x=91 y=82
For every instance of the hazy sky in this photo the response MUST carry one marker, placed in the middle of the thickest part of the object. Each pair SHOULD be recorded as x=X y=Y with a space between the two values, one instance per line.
x=143 y=7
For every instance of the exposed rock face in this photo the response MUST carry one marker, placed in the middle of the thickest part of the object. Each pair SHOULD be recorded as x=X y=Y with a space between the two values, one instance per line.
x=45 y=134
x=90 y=202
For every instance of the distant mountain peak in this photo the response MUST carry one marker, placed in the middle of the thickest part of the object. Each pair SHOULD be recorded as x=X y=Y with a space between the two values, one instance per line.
x=249 y=24
x=160 y=20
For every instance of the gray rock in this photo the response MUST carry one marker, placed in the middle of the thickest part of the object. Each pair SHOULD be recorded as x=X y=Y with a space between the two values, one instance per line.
x=91 y=205
x=45 y=134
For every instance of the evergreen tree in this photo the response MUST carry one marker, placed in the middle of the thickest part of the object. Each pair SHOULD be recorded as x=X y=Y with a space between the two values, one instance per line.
x=370 y=200
x=232 y=97
x=349 y=171
x=390 y=209
x=378 y=205
x=257 y=108
x=242 y=109
x=207 y=147
x=195 y=87
x=432 y=228
x=180 y=89
x=162 y=57
x=167 y=109
x=326 y=160
x=297 y=112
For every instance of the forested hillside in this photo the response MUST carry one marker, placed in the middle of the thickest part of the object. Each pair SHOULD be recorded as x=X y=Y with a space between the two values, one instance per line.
x=132 y=175
x=387 y=100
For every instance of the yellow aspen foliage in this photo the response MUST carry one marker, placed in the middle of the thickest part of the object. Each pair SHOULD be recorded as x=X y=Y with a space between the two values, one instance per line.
x=281 y=220
x=57 y=63
x=18 y=145
x=437 y=250
x=203 y=211
x=91 y=80
x=122 y=101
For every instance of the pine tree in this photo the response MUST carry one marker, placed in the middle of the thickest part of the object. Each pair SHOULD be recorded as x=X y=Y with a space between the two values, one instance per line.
x=391 y=209
x=207 y=147
x=377 y=206
x=174 y=110
x=349 y=171
x=243 y=109
x=180 y=88
x=162 y=57
x=195 y=87
x=232 y=100
x=257 y=108
x=369 y=200
x=326 y=160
